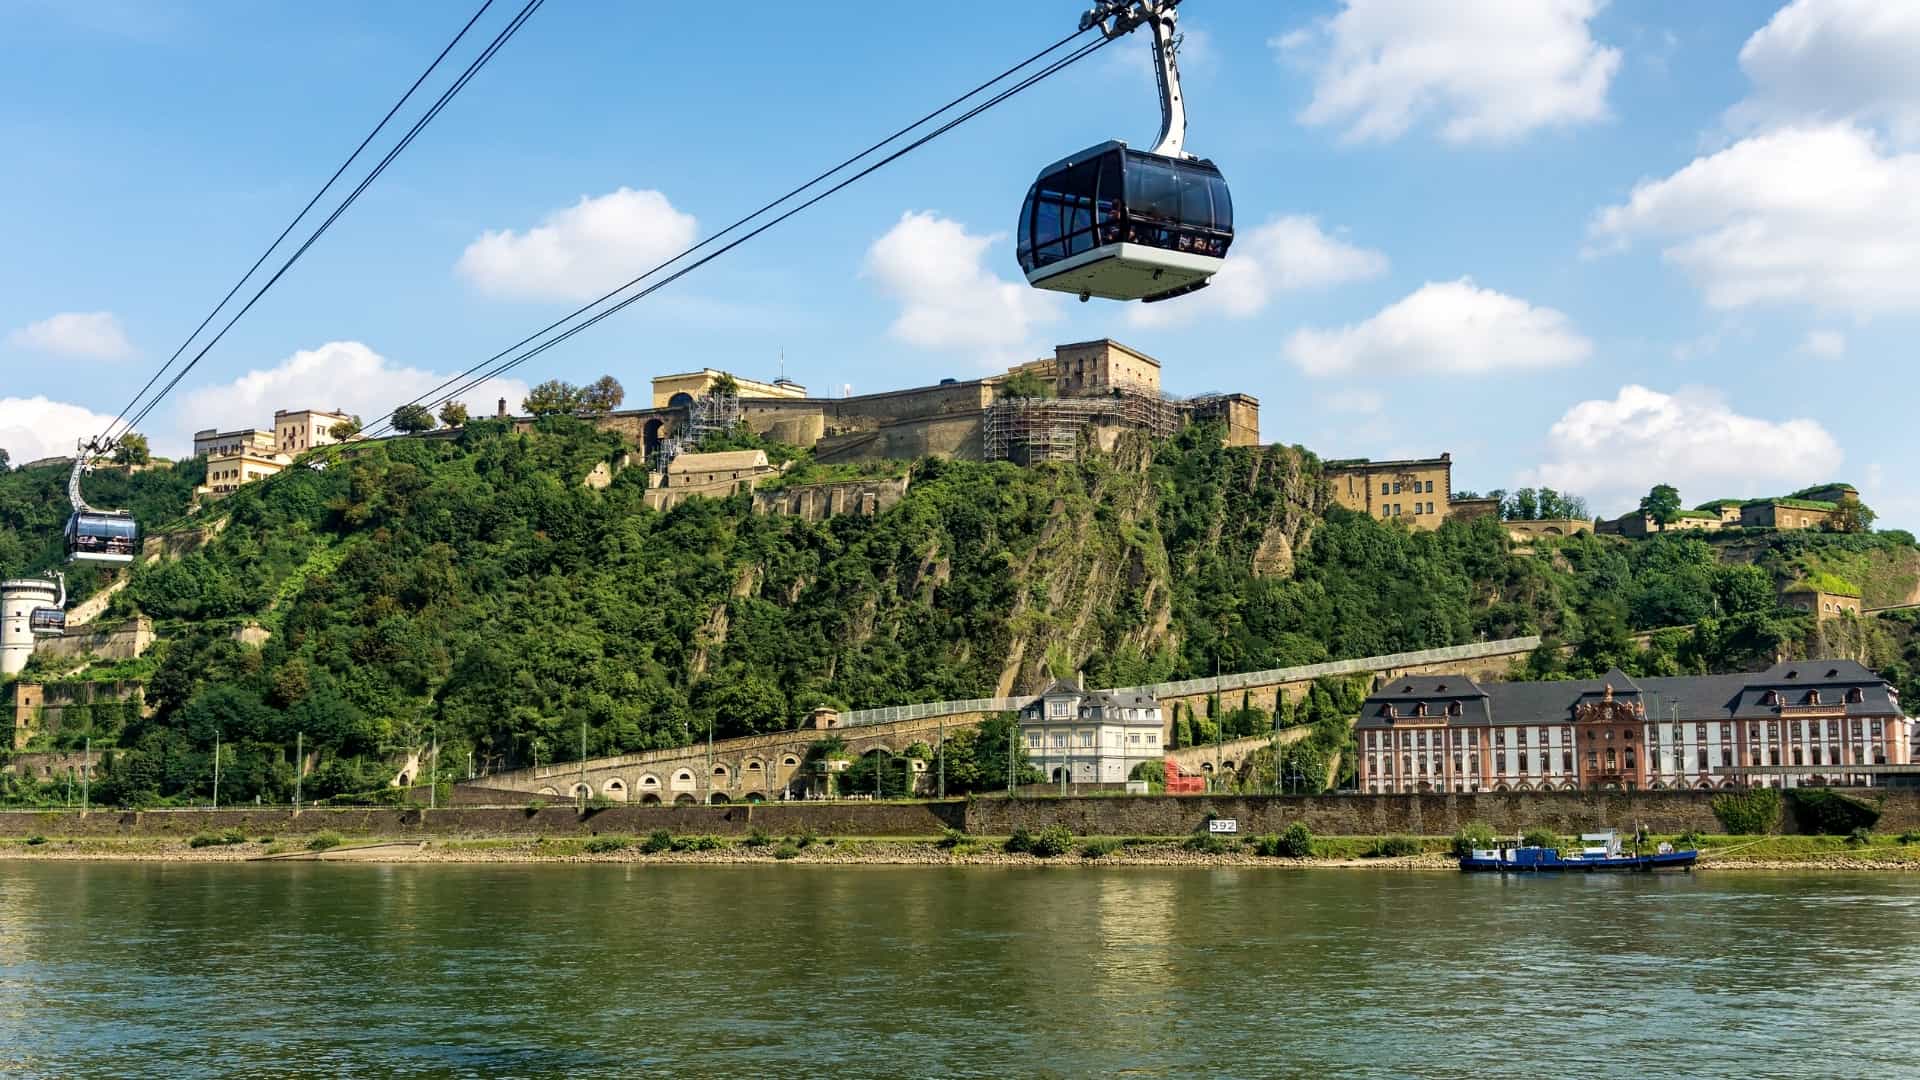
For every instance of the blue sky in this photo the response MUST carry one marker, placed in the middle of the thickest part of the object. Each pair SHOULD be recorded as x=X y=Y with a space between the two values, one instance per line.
x=1595 y=245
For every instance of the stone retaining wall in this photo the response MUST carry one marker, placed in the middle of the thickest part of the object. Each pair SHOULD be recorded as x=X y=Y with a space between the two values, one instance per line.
x=1327 y=815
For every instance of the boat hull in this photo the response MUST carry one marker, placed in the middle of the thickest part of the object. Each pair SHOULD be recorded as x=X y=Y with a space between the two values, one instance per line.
x=1625 y=864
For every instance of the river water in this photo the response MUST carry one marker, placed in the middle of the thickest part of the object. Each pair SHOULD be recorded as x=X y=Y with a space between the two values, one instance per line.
x=608 y=970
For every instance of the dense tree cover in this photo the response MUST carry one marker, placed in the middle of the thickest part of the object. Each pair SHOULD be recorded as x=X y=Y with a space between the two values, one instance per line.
x=409 y=419
x=471 y=590
x=557 y=397
x=1533 y=504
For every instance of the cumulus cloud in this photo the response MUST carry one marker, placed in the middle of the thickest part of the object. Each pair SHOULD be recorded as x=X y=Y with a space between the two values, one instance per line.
x=1825 y=60
x=948 y=298
x=1452 y=327
x=1614 y=451
x=1488 y=71
x=1284 y=255
x=582 y=251
x=36 y=427
x=95 y=335
x=1820 y=215
x=1352 y=402
x=1824 y=344
x=341 y=375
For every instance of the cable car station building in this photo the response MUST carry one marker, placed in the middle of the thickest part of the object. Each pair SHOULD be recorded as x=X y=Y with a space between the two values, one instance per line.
x=1798 y=724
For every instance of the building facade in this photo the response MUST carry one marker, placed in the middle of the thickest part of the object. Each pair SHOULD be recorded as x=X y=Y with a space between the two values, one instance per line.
x=227 y=471
x=212 y=442
x=299 y=430
x=1450 y=734
x=1829 y=602
x=1417 y=492
x=676 y=391
x=714 y=476
x=1789 y=514
x=1091 y=737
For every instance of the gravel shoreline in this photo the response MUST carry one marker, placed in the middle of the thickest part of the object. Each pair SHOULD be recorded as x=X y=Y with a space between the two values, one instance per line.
x=839 y=853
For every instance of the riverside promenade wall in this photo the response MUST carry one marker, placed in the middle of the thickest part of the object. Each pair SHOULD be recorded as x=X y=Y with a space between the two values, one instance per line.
x=1328 y=815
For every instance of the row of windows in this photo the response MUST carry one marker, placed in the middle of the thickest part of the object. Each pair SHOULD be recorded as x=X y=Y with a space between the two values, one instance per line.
x=1035 y=740
x=1416 y=487
x=1393 y=509
x=1797 y=730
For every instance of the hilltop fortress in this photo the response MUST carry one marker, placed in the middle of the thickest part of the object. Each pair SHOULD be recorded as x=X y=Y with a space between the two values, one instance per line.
x=1044 y=410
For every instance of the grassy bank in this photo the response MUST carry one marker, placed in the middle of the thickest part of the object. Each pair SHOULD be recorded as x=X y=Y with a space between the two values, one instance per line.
x=1432 y=852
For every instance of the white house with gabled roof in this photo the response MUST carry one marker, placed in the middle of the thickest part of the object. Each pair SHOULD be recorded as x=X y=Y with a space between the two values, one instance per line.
x=1091 y=737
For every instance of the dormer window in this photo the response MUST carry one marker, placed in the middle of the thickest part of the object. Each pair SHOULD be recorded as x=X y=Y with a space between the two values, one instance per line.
x=1453 y=708
x=1772 y=697
x=1813 y=697
x=1420 y=709
x=1855 y=696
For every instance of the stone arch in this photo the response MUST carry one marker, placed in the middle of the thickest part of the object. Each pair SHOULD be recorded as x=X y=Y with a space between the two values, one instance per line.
x=650 y=799
x=721 y=774
x=1657 y=785
x=580 y=791
x=615 y=789
x=652 y=435
x=650 y=782
x=1523 y=786
x=683 y=799
x=1705 y=785
x=550 y=792
x=1227 y=765
x=753 y=771
x=1206 y=766
x=1501 y=786
x=755 y=797
x=682 y=780
x=680 y=400
x=717 y=798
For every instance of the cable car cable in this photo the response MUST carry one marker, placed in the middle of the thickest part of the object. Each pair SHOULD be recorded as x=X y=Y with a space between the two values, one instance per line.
x=742 y=222
x=1047 y=72
x=419 y=125
x=1031 y=80
x=104 y=436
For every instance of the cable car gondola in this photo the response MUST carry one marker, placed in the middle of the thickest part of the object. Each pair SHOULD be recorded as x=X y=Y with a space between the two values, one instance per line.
x=1125 y=224
x=50 y=621
x=102 y=536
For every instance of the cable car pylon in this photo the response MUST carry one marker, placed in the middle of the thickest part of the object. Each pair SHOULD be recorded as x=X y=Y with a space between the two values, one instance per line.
x=1125 y=224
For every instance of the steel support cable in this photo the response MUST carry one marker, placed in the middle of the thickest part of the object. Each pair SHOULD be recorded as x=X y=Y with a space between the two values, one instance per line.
x=742 y=222
x=473 y=68
x=1031 y=80
x=106 y=435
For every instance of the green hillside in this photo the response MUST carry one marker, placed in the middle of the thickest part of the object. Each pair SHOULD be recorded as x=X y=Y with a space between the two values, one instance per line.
x=473 y=591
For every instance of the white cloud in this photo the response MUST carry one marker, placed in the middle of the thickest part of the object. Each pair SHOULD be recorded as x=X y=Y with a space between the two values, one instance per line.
x=95 y=335
x=948 y=298
x=1487 y=71
x=1801 y=215
x=343 y=375
x=1614 y=451
x=1825 y=344
x=1452 y=327
x=1286 y=254
x=582 y=251
x=1134 y=60
x=1822 y=60
x=35 y=427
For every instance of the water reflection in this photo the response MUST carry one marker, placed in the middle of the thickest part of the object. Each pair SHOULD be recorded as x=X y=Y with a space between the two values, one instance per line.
x=539 y=970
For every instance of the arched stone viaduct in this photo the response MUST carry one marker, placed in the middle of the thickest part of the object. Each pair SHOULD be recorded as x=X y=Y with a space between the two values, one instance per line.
x=766 y=767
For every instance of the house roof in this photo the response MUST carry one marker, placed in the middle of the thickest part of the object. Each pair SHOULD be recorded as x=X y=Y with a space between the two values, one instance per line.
x=721 y=461
x=1122 y=700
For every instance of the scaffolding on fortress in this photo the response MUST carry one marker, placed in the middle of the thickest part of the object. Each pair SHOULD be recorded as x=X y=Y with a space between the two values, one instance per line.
x=1027 y=431
x=709 y=414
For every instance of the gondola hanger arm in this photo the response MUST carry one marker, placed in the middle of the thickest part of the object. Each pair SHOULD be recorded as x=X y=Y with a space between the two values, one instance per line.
x=1115 y=18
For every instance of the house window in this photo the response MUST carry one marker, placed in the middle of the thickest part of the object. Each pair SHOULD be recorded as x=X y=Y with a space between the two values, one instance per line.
x=1060 y=739
x=1060 y=708
x=1086 y=738
x=1153 y=738
x=1033 y=739
x=1383 y=488
x=1703 y=759
x=1855 y=696
x=1523 y=761
x=1396 y=487
x=1566 y=761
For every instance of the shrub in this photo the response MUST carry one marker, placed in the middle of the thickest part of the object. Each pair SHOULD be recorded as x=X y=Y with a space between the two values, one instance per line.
x=1207 y=843
x=225 y=838
x=36 y=840
x=1910 y=837
x=807 y=837
x=1689 y=839
x=1538 y=837
x=607 y=845
x=708 y=843
x=1860 y=837
x=1020 y=843
x=1099 y=848
x=264 y=840
x=1475 y=835
x=1296 y=842
x=657 y=841
x=200 y=840
x=1754 y=811
x=1397 y=846
x=534 y=806
x=1830 y=813
x=951 y=838
x=758 y=838
x=1052 y=841
x=324 y=841
x=787 y=850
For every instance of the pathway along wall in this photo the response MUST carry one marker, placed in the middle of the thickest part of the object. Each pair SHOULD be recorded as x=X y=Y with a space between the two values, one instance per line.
x=1329 y=815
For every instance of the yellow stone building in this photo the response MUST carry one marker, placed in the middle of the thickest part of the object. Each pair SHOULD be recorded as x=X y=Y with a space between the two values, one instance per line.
x=1415 y=491
x=672 y=391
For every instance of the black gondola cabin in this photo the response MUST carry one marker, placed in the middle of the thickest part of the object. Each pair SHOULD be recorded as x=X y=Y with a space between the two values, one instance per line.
x=105 y=538
x=1121 y=224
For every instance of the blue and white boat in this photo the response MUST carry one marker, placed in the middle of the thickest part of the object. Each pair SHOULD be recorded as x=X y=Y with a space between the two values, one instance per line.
x=1599 y=853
